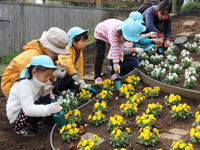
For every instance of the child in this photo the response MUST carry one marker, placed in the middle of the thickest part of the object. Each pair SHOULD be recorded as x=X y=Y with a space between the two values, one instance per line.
x=73 y=62
x=157 y=19
x=25 y=106
x=51 y=43
x=116 y=33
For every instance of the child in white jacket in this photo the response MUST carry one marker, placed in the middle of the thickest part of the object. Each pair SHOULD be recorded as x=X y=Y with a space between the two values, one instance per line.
x=27 y=106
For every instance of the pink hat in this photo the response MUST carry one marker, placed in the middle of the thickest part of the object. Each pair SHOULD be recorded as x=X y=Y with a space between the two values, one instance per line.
x=55 y=39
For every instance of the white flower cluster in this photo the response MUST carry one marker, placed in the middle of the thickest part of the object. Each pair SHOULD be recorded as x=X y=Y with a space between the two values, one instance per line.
x=154 y=57
x=171 y=59
x=197 y=35
x=176 y=66
x=150 y=66
x=164 y=64
x=191 y=71
x=191 y=47
x=143 y=56
x=66 y=96
x=187 y=45
x=144 y=63
x=157 y=72
x=185 y=53
x=191 y=79
x=187 y=59
x=172 y=75
x=168 y=50
x=172 y=47
x=153 y=49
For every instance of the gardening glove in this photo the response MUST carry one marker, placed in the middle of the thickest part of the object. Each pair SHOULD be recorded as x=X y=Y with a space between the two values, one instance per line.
x=155 y=40
x=60 y=71
x=83 y=85
x=75 y=78
x=121 y=58
x=139 y=50
x=55 y=107
x=116 y=67
x=47 y=88
x=153 y=34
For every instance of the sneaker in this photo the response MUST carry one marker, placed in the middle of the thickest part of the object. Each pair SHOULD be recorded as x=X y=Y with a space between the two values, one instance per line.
x=41 y=127
x=26 y=131
x=98 y=80
x=114 y=76
x=109 y=70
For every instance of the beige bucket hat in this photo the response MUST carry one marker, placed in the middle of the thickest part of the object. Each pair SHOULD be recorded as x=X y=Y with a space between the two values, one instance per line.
x=55 y=39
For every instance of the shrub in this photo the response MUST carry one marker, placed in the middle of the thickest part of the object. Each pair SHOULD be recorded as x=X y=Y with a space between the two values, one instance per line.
x=191 y=6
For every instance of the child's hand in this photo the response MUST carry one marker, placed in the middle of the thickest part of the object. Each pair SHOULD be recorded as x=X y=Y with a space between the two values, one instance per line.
x=60 y=71
x=121 y=57
x=167 y=43
x=116 y=67
x=159 y=42
x=154 y=40
x=47 y=88
x=139 y=50
x=55 y=107
x=152 y=34
x=83 y=85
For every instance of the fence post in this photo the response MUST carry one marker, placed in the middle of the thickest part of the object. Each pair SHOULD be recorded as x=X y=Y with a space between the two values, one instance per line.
x=98 y=3
x=174 y=7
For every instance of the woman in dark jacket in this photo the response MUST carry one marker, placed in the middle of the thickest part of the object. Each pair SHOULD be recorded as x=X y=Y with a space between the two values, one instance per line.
x=157 y=19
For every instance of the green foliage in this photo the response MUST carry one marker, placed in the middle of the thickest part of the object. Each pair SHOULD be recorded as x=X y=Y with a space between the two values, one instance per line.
x=191 y=6
x=91 y=38
x=6 y=59
x=179 y=4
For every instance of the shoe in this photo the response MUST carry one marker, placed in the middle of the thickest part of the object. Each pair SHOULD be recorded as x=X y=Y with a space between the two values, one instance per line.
x=114 y=76
x=41 y=127
x=56 y=92
x=26 y=131
x=98 y=80
x=109 y=70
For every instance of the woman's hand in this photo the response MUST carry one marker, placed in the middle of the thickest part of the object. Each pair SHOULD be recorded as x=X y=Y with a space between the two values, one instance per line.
x=167 y=43
x=159 y=42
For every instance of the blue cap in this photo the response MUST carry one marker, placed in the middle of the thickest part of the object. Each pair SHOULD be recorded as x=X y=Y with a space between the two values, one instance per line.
x=42 y=60
x=74 y=32
x=136 y=16
x=131 y=29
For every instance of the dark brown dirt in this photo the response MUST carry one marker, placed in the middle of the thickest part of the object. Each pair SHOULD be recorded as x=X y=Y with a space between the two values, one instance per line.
x=11 y=141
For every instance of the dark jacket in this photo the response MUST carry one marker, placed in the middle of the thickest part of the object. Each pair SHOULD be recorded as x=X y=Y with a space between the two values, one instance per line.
x=151 y=17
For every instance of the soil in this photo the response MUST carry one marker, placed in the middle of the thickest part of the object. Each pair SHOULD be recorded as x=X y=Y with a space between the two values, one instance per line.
x=10 y=140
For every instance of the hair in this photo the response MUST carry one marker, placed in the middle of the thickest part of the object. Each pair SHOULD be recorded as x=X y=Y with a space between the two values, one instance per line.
x=165 y=5
x=38 y=68
x=119 y=33
x=78 y=37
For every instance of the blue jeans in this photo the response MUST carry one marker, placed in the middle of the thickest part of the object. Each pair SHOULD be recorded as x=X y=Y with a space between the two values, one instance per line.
x=65 y=83
x=128 y=63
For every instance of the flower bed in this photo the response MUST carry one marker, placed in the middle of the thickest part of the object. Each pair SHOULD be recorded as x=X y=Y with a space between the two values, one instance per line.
x=174 y=68
x=162 y=123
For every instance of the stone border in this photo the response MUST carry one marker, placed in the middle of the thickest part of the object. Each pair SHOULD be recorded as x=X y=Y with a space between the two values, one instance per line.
x=89 y=47
x=189 y=13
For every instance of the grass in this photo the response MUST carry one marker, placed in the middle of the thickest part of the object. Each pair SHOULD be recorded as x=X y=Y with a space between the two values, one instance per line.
x=91 y=38
x=5 y=60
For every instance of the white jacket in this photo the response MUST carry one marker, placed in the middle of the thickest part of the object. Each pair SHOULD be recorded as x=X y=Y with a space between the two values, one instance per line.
x=23 y=94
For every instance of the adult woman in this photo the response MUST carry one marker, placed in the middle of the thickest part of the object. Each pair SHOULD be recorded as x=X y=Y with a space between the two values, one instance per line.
x=52 y=43
x=157 y=19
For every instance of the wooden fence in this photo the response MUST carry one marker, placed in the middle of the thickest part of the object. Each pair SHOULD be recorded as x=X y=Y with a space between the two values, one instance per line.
x=98 y=3
x=129 y=3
